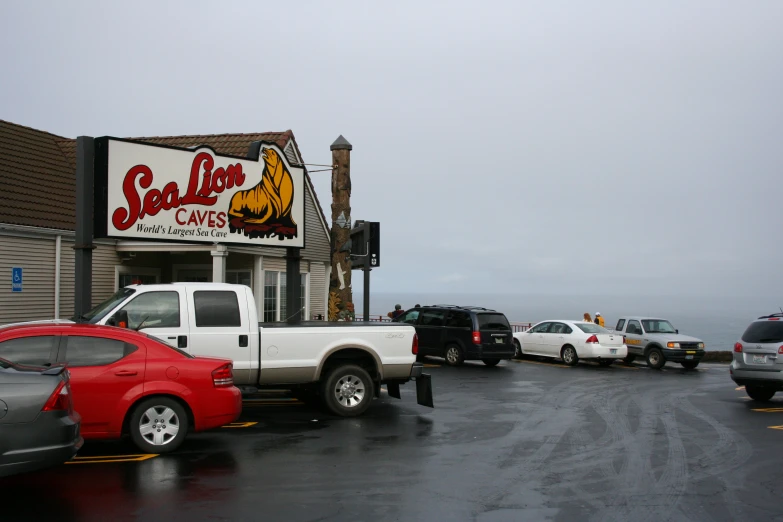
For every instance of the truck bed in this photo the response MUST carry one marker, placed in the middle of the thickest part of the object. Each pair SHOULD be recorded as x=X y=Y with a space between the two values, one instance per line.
x=326 y=324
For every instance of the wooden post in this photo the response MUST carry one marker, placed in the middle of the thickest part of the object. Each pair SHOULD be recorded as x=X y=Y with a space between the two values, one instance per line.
x=340 y=293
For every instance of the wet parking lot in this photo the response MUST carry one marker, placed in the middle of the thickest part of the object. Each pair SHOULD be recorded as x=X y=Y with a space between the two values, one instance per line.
x=527 y=440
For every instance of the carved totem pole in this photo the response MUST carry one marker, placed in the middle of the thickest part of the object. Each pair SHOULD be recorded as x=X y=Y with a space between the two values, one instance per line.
x=340 y=294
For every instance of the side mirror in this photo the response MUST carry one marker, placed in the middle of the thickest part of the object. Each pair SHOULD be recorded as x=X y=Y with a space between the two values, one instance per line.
x=120 y=319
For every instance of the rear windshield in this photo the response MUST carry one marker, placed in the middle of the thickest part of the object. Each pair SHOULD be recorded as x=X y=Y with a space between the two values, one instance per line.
x=167 y=345
x=493 y=322
x=591 y=328
x=764 y=332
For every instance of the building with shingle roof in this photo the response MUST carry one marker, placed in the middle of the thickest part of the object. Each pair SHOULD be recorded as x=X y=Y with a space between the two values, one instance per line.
x=37 y=223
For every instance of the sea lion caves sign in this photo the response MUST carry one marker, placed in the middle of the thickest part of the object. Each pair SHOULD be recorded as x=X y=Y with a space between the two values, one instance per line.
x=147 y=191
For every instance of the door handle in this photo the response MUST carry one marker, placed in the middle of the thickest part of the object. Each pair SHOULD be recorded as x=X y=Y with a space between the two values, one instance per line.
x=172 y=337
x=243 y=341
x=125 y=373
x=182 y=341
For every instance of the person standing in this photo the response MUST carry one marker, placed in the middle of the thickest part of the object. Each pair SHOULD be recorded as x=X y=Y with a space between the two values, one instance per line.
x=587 y=318
x=599 y=319
x=397 y=311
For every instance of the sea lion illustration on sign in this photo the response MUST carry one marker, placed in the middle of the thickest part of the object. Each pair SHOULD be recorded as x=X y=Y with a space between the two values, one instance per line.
x=265 y=210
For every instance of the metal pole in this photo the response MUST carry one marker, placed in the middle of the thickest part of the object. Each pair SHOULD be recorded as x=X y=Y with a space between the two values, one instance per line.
x=85 y=172
x=367 y=271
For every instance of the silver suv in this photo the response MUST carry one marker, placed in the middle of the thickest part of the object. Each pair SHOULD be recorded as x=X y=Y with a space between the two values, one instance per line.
x=758 y=358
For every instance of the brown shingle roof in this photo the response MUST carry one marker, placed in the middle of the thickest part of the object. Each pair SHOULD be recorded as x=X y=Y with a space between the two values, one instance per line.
x=37 y=183
x=38 y=179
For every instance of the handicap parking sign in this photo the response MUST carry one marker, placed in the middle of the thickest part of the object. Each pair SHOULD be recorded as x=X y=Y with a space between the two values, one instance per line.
x=16 y=279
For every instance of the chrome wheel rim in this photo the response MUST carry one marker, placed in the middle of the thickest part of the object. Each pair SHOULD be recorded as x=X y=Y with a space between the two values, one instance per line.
x=349 y=391
x=517 y=349
x=452 y=355
x=159 y=425
x=654 y=358
x=568 y=355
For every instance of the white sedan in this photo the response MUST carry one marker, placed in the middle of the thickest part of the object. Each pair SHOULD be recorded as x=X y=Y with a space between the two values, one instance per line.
x=571 y=341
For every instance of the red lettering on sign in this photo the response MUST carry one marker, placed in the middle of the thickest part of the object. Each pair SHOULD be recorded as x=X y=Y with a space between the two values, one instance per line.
x=123 y=218
x=153 y=201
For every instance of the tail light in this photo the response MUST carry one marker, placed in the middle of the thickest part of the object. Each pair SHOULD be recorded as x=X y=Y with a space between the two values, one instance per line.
x=592 y=339
x=60 y=399
x=223 y=376
x=780 y=350
x=738 y=347
x=476 y=337
x=415 y=345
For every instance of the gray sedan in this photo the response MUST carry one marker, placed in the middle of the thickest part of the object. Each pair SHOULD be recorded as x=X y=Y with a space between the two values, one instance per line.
x=38 y=427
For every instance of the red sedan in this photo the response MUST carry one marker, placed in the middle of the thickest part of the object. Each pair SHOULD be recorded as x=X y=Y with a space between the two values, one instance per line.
x=126 y=382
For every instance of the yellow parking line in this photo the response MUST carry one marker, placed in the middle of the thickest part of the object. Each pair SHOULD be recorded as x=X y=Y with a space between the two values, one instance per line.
x=775 y=427
x=111 y=458
x=769 y=410
x=739 y=388
x=239 y=425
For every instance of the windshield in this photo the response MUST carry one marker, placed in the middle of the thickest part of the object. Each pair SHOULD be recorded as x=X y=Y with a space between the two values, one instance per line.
x=592 y=328
x=657 y=326
x=764 y=332
x=100 y=311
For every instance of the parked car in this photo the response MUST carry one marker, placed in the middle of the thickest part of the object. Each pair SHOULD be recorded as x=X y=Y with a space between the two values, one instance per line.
x=126 y=382
x=38 y=425
x=571 y=341
x=658 y=342
x=758 y=358
x=461 y=333
x=341 y=364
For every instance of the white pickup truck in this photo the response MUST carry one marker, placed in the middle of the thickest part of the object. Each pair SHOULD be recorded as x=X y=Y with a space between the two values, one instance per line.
x=342 y=364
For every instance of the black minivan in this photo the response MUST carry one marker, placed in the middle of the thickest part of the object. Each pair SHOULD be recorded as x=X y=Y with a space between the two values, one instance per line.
x=461 y=333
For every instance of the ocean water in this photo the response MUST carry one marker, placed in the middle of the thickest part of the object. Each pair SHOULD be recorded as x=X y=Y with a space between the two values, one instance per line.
x=718 y=321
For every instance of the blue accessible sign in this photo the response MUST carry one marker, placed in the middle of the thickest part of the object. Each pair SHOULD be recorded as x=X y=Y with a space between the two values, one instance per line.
x=16 y=279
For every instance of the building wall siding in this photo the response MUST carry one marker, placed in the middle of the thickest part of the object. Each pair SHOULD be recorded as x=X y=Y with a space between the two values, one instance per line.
x=317 y=289
x=317 y=246
x=36 y=300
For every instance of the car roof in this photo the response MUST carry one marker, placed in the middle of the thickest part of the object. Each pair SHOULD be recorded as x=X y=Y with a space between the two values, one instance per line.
x=198 y=286
x=642 y=318
x=70 y=327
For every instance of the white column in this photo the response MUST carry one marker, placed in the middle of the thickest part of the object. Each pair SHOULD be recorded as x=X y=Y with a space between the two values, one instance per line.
x=328 y=275
x=258 y=284
x=219 y=256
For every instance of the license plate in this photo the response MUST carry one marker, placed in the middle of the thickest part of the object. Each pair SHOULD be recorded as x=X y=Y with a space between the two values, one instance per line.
x=500 y=340
x=689 y=356
x=760 y=359
x=690 y=352
x=613 y=350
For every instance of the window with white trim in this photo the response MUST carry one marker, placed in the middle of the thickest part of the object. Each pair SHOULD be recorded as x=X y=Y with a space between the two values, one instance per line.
x=274 y=301
x=239 y=277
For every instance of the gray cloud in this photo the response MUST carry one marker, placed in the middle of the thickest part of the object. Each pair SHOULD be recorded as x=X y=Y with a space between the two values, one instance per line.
x=505 y=146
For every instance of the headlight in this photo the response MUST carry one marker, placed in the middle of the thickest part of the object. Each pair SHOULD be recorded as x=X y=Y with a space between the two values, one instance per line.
x=701 y=345
x=673 y=345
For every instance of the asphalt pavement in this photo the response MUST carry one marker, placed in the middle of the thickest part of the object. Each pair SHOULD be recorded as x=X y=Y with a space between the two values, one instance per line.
x=527 y=440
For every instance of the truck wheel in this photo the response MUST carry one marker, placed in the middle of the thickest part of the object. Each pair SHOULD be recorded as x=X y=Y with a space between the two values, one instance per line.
x=348 y=391
x=655 y=359
x=689 y=365
x=158 y=425
x=454 y=355
x=759 y=393
x=629 y=359
x=569 y=355
x=491 y=362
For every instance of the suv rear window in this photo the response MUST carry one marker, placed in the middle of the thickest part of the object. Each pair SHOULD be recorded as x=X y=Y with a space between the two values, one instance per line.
x=764 y=332
x=493 y=322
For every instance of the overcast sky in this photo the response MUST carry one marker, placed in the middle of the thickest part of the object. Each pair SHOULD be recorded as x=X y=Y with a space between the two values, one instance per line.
x=563 y=147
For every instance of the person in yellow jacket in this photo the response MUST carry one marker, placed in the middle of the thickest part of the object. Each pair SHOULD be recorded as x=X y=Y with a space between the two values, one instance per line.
x=599 y=319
